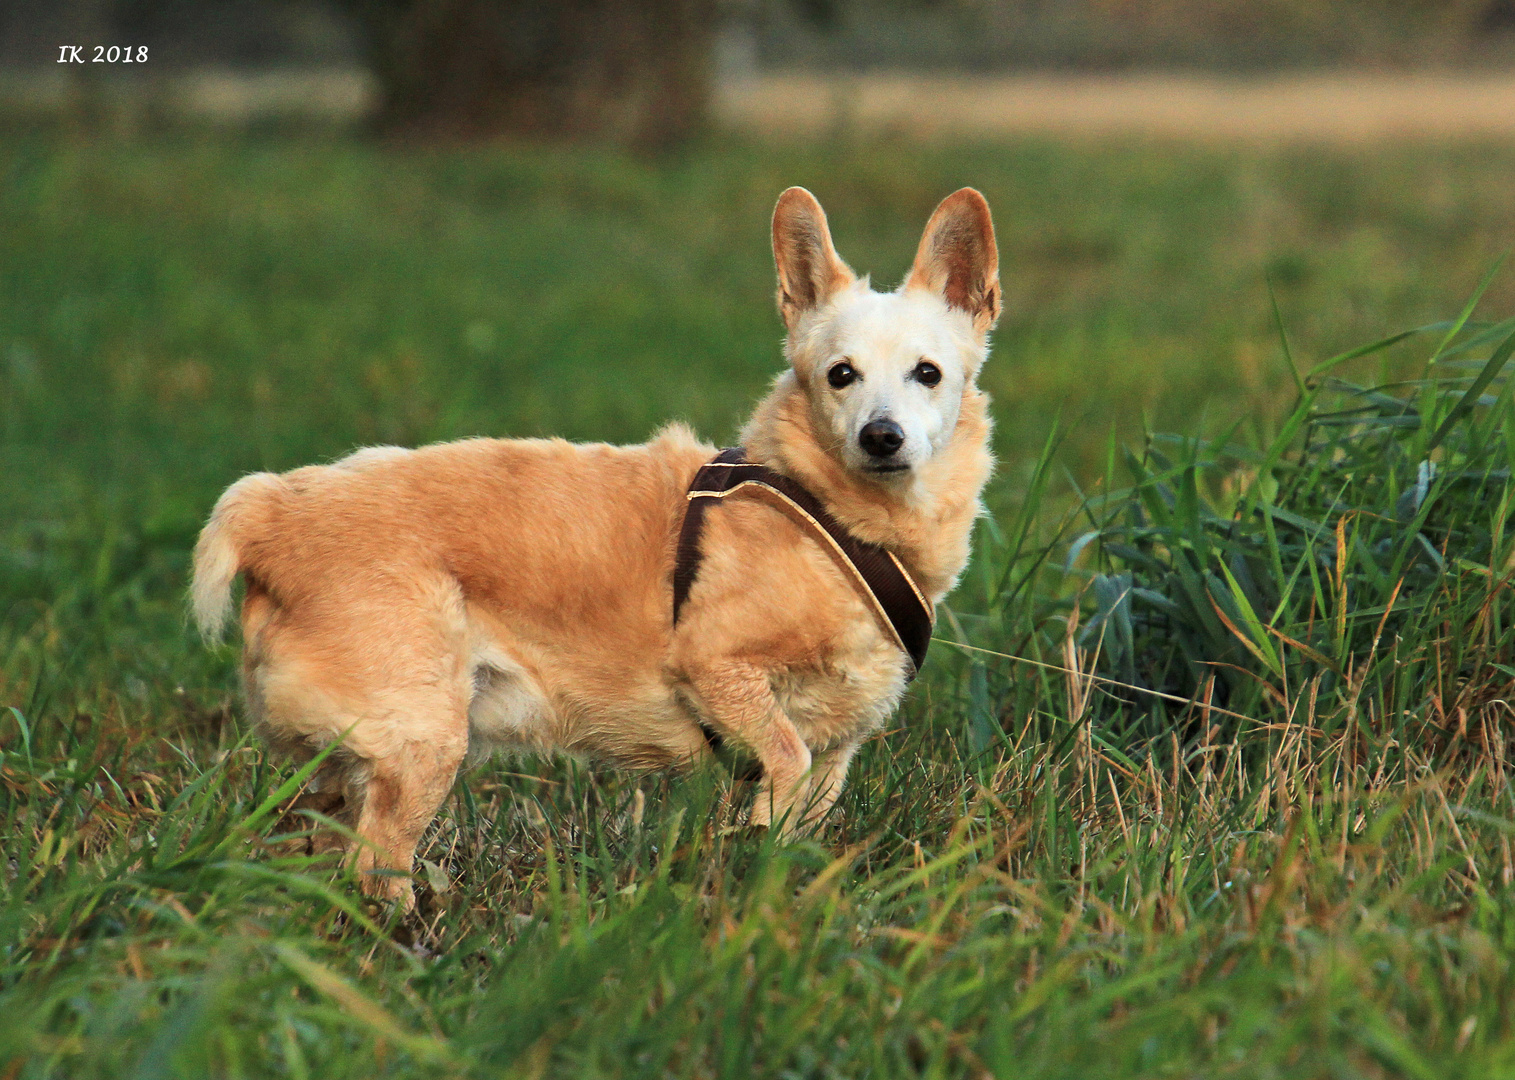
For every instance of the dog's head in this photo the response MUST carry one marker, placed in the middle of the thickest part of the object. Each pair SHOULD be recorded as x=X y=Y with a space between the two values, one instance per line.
x=885 y=373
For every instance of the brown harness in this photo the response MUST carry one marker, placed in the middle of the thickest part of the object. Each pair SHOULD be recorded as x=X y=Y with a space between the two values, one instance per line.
x=873 y=570
x=877 y=575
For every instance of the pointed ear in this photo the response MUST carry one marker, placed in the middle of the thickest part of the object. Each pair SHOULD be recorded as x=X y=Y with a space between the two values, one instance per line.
x=809 y=269
x=957 y=258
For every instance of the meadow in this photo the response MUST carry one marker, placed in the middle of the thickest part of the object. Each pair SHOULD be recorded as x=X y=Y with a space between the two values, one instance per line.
x=1208 y=774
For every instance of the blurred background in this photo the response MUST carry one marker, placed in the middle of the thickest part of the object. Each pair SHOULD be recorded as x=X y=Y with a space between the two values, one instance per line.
x=653 y=72
x=257 y=234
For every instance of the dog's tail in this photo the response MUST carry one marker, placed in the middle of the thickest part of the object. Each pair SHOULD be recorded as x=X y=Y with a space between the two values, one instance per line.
x=218 y=552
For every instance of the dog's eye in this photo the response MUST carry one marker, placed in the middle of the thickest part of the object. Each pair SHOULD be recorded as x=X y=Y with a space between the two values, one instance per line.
x=927 y=374
x=840 y=375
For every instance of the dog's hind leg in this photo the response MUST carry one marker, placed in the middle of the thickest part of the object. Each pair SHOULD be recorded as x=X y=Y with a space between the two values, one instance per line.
x=399 y=755
x=402 y=795
x=403 y=792
x=386 y=672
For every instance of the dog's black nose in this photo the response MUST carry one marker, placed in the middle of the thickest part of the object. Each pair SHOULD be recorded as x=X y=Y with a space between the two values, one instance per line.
x=881 y=438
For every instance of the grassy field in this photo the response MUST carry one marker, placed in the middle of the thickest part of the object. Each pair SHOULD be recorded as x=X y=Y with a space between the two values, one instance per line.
x=1299 y=868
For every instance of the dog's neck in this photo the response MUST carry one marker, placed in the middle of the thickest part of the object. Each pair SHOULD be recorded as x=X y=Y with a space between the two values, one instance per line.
x=925 y=519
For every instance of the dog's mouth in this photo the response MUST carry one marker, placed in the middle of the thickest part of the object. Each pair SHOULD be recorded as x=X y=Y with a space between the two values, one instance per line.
x=886 y=469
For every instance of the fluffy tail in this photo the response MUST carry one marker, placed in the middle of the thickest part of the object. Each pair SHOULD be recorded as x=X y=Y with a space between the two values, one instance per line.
x=218 y=552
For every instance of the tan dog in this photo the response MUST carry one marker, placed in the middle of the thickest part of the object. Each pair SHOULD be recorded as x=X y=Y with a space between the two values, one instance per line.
x=516 y=592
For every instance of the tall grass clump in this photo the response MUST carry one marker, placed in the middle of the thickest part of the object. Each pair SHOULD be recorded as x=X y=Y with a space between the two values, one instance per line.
x=1358 y=563
x=1354 y=568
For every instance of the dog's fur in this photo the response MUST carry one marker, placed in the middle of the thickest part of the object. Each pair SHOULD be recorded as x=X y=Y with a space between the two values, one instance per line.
x=517 y=592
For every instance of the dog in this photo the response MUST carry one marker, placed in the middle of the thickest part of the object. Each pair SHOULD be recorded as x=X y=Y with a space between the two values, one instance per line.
x=412 y=605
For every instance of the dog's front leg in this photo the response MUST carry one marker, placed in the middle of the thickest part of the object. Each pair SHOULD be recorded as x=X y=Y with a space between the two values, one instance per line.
x=826 y=779
x=736 y=697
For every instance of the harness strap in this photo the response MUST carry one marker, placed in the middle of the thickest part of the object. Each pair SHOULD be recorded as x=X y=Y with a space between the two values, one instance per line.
x=873 y=570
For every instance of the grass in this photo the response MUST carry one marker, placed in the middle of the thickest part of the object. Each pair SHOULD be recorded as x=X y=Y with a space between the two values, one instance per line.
x=1302 y=868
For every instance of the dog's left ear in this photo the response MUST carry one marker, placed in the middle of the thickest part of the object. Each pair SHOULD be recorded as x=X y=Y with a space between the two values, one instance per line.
x=958 y=259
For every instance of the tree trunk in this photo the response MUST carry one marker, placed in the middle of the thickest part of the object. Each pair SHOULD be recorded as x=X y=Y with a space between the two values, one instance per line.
x=632 y=71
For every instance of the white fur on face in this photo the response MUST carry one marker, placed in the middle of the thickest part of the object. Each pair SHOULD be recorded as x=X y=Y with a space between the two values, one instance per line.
x=884 y=336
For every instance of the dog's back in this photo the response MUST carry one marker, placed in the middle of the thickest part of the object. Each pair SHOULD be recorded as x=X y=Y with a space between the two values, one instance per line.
x=545 y=529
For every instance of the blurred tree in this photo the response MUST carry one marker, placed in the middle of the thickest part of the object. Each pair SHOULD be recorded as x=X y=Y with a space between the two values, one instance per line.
x=636 y=71
x=1498 y=17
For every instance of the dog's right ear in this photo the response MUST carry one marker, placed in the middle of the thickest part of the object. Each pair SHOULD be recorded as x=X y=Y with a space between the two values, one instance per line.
x=958 y=260
x=809 y=269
